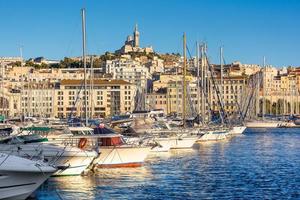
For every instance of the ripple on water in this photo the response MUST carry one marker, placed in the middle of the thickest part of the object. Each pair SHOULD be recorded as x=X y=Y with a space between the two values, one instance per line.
x=262 y=164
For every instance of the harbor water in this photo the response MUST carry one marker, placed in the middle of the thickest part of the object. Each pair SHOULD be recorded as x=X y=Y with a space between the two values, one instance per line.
x=260 y=164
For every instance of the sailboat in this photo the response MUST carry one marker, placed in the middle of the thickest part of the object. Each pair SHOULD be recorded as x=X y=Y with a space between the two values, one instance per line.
x=234 y=129
x=183 y=139
x=263 y=123
x=220 y=133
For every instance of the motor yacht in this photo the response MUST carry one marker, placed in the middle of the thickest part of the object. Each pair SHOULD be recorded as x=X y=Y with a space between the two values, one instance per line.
x=114 y=151
x=20 y=177
x=57 y=151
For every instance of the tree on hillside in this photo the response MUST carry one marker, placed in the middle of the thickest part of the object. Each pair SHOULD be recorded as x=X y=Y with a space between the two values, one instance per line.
x=69 y=63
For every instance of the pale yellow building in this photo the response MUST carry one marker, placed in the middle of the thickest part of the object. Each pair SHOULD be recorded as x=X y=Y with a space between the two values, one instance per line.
x=66 y=98
x=171 y=99
x=108 y=97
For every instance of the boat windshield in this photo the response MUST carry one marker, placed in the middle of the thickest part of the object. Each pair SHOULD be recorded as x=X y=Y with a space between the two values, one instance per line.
x=24 y=139
x=111 y=141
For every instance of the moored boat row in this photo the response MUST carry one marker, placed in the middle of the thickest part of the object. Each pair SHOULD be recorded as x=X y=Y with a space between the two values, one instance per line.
x=74 y=150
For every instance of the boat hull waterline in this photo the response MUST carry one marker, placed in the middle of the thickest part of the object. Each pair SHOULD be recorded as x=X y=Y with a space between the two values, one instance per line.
x=120 y=156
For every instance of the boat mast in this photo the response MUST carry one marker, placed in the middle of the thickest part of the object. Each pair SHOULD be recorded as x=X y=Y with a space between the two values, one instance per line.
x=2 y=88
x=207 y=84
x=198 y=81
x=296 y=99
x=91 y=94
x=264 y=90
x=297 y=109
x=221 y=78
x=222 y=71
x=284 y=102
x=22 y=85
x=257 y=98
x=184 y=81
x=84 y=63
x=202 y=85
x=292 y=95
x=177 y=99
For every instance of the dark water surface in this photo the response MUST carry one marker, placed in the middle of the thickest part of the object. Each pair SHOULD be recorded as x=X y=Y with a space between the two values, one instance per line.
x=261 y=164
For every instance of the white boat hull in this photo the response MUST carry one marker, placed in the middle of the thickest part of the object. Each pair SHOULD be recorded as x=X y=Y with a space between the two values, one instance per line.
x=156 y=144
x=17 y=186
x=183 y=142
x=263 y=124
x=163 y=145
x=236 y=130
x=211 y=136
x=121 y=156
x=20 y=177
x=76 y=164
x=76 y=159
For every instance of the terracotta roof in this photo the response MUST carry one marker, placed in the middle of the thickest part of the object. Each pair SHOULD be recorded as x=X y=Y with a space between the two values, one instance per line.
x=96 y=82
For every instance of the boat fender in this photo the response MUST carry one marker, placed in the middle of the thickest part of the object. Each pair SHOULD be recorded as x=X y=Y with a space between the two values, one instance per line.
x=82 y=143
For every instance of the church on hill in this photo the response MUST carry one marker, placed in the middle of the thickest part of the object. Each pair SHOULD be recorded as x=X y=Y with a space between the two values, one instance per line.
x=132 y=44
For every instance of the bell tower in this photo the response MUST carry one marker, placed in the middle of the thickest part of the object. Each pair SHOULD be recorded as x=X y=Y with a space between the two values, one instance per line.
x=136 y=35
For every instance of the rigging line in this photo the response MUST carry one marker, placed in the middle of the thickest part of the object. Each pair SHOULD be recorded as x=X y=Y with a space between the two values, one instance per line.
x=224 y=60
x=239 y=109
x=77 y=97
x=216 y=90
x=206 y=99
x=188 y=50
x=4 y=159
x=247 y=107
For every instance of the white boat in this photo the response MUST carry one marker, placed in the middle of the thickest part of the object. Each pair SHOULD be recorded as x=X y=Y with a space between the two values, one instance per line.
x=236 y=130
x=124 y=156
x=76 y=159
x=114 y=151
x=162 y=145
x=178 y=138
x=183 y=141
x=213 y=136
x=263 y=124
x=290 y=124
x=157 y=144
x=20 y=177
x=166 y=140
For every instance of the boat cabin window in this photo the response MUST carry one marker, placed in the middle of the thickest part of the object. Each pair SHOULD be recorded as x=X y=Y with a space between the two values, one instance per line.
x=110 y=141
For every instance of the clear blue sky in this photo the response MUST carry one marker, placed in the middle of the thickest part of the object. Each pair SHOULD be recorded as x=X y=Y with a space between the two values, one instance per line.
x=248 y=30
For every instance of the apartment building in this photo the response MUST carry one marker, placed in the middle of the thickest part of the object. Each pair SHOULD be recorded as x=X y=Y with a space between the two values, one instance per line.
x=104 y=98
x=170 y=97
x=128 y=70
x=67 y=98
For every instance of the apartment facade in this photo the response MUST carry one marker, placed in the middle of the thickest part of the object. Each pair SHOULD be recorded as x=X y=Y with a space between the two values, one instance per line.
x=67 y=98
x=171 y=100
x=128 y=70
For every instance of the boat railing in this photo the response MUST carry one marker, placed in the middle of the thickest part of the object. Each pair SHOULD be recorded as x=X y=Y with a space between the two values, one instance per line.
x=90 y=143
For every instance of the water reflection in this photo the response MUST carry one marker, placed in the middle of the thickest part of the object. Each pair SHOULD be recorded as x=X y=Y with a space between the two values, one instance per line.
x=260 y=165
x=113 y=176
x=66 y=187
